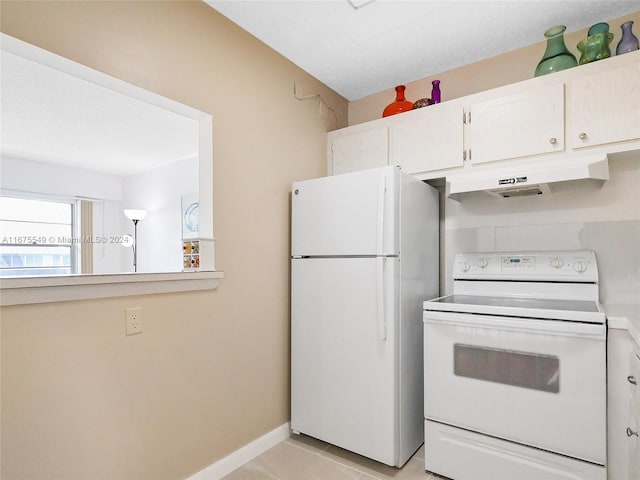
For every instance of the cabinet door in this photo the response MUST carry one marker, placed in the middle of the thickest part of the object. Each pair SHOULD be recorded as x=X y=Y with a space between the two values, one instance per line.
x=359 y=151
x=633 y=379
x=604 y=107
x=518 y=125
x=633 y=422
x=634 y=442
x=618 y=350
x=428 y=140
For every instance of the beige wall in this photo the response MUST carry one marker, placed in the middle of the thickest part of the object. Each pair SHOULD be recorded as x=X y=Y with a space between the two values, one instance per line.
x=477 y=77
x=210 y=372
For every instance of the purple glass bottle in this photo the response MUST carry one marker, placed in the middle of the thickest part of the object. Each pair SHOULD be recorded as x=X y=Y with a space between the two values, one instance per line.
x=435 y=91
x=628 y=42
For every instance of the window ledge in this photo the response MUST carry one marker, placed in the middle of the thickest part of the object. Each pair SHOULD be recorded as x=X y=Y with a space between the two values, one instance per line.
x=22 y=291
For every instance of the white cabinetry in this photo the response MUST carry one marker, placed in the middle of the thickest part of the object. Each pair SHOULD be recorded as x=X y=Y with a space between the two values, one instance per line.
x=527 y=123
x=427 y=139
x=353 y=149
x=623 y=450
x=592 y=108
x=633 y=429
x=604 y=107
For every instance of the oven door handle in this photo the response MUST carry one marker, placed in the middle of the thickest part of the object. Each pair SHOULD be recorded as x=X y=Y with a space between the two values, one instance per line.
x=526 y=325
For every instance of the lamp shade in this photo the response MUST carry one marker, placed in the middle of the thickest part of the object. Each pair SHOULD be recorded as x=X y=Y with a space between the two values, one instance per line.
x=135 y=214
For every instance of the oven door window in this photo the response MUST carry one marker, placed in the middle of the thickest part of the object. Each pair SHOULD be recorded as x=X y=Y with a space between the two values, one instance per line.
x=520 y=369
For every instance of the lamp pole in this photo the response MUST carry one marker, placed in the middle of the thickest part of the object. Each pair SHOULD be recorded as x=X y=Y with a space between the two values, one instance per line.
x=135 y=245
x=135 y=216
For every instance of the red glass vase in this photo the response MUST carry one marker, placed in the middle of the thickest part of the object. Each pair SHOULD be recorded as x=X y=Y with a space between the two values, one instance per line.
x=400 y=105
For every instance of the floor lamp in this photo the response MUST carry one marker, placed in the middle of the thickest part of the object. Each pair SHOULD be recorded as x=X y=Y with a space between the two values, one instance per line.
x=135 y=216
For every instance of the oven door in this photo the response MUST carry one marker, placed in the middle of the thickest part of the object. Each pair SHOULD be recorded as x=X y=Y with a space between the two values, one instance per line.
x=535 y=382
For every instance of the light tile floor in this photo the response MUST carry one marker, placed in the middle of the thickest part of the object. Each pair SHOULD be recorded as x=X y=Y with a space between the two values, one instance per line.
x=305 y=458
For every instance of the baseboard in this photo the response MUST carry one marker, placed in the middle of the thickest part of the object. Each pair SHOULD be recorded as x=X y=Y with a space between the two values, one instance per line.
x=243 y=455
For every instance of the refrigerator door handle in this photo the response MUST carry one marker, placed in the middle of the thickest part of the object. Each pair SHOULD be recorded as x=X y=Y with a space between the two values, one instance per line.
x=382 y=189
x=380 y=294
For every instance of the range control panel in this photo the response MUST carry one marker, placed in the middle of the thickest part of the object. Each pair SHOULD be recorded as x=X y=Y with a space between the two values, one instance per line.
x=548 y=266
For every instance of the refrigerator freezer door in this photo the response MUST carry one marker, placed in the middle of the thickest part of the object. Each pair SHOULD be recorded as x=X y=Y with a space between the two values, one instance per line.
x=344 y=382
x=350 y=214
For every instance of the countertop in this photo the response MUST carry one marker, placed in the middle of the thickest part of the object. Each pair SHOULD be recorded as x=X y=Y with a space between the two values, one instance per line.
x=624 y=316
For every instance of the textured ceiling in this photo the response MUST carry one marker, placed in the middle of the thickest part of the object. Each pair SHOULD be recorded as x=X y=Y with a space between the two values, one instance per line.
x=361 y=47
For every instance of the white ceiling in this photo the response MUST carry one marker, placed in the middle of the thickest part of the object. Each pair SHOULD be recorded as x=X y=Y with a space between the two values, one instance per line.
x=54 y=117
x=361 y=47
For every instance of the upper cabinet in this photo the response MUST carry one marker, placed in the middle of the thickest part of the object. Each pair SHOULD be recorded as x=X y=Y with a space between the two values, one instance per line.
x=428 y=139
x=604 y=107
x=513 y=126
x=592 y=108
x=349 y=150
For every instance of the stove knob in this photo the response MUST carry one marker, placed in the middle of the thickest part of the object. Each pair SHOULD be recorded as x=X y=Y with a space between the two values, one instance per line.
x=483 y=262
x=465 y=267
x=557 y=262
x=580 y=267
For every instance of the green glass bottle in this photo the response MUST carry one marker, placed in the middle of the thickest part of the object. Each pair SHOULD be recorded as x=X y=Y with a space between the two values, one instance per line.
x=556 y=57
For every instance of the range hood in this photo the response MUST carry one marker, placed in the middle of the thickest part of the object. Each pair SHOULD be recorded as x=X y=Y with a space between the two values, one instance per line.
x=529 y=178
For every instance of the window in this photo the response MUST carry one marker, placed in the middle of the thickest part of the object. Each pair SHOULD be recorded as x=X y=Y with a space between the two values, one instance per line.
x=37 y=237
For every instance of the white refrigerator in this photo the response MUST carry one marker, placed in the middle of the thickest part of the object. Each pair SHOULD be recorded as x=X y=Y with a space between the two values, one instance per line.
x=364 y=256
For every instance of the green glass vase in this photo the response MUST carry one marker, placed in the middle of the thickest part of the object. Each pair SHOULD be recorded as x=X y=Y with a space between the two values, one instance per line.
x=596 y=45
x=556 y=57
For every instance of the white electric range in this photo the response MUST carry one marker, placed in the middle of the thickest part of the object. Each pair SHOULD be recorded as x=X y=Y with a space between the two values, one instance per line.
x=515 y=369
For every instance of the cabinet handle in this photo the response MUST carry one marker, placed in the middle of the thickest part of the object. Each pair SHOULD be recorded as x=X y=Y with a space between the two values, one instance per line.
x=553 y=140
x=582 y=136
x=631 y=433
x=631 y=379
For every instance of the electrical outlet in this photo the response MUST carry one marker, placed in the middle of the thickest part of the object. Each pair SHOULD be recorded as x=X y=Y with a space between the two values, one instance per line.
x=133 y=320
